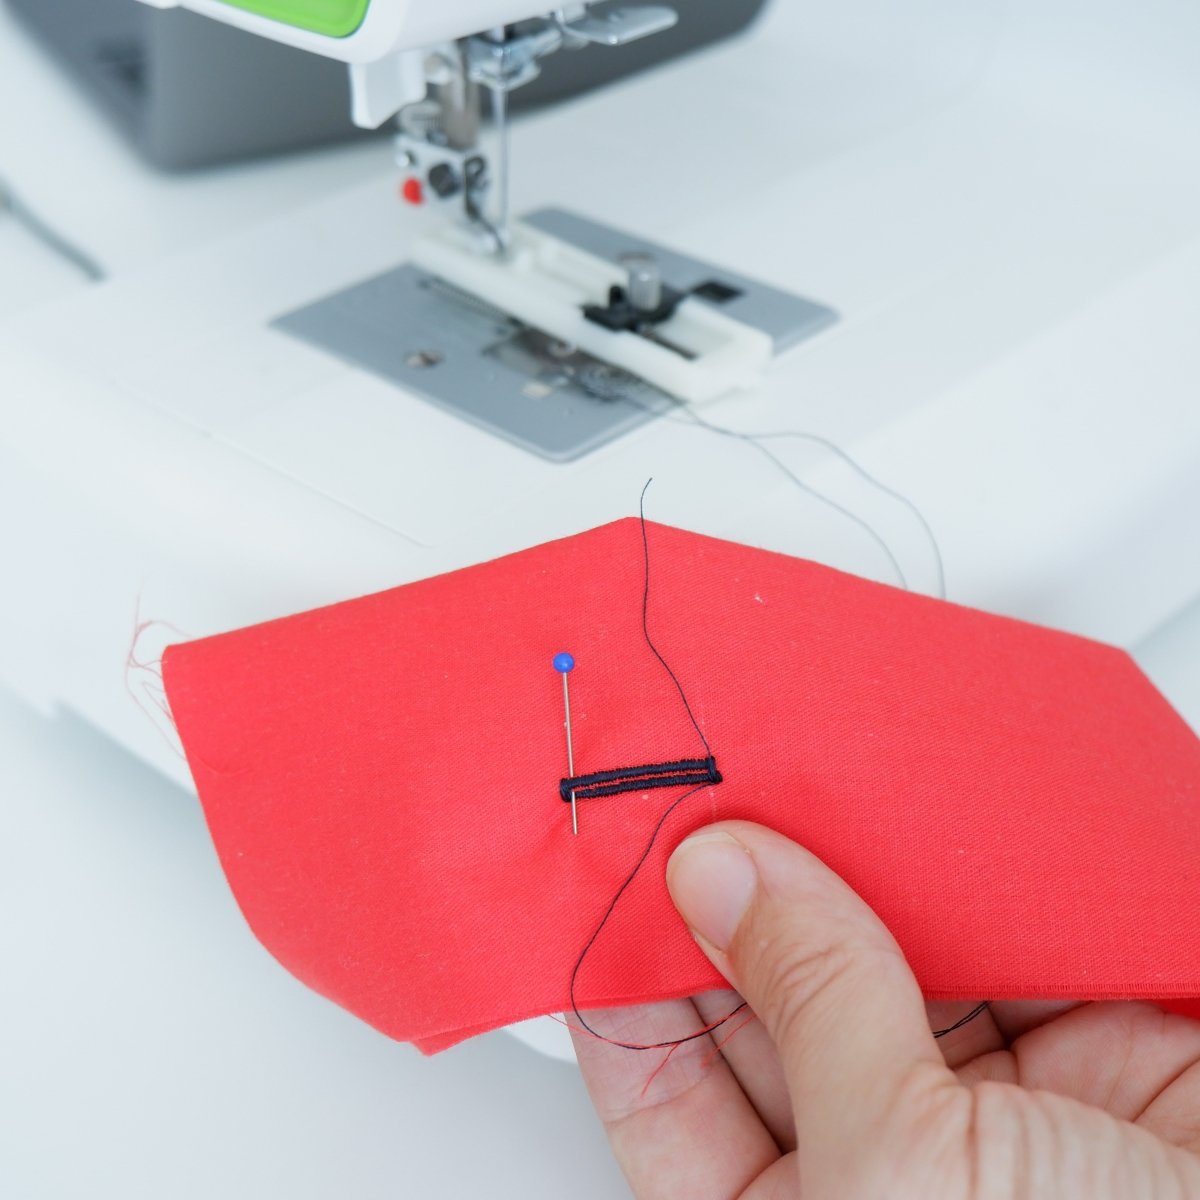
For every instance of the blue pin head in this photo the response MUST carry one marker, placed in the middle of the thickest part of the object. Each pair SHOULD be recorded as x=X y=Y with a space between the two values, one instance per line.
x=563 y=663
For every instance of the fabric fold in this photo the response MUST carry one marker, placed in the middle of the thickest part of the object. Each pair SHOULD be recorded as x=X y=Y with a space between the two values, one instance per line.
x=381 y=779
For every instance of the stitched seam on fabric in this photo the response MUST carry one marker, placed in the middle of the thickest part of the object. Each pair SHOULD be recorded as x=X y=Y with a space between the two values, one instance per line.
x=631 y=779
x=617 y=789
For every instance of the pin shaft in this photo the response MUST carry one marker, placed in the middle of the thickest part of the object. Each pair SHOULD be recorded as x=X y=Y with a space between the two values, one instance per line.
x=570 y=751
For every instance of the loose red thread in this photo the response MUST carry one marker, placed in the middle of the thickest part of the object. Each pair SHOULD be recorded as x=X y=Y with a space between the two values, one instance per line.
x=143 y=679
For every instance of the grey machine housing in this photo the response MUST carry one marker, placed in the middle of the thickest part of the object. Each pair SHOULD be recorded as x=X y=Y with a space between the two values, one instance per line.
x=192 y=92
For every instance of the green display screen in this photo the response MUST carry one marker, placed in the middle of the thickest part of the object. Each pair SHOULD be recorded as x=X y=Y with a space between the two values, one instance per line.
x=333 y=18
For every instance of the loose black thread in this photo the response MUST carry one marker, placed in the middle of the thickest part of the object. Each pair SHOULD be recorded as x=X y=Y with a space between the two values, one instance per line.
x=691 y=1037
x=977 y=1011
x=676 y=1042
x=709 y=759
x=680 y=773
x=756 y=440
x=623 y=396
x=646 y=619
x=857 y=468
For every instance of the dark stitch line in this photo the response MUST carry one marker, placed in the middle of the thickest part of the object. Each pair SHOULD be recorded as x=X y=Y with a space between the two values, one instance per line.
x=616 y=789
x=679 y=764
x=636 y=783
x=629 y=779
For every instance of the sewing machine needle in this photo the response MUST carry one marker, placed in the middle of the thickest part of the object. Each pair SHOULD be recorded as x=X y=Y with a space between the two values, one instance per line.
x=564 y=664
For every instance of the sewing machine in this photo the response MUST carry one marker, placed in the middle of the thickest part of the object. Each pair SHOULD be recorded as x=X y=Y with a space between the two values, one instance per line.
x=557 y=332
x=365 y=390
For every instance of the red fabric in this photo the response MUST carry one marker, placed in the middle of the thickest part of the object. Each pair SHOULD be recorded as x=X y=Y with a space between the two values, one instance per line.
x=381 y=781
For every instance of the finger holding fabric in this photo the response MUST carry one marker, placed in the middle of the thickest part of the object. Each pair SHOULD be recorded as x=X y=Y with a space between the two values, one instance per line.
x=1101 y=1100
x=832 y=989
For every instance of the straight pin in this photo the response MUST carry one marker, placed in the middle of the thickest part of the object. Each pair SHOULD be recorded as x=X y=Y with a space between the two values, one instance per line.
x=564 y=664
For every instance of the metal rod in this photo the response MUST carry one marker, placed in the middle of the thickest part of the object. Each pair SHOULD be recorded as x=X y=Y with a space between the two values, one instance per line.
x=500 y=116
x=570 y=752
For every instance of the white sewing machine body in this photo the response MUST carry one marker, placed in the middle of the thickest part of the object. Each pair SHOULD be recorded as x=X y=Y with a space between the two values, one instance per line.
x=1002 y=202
x=362 y=31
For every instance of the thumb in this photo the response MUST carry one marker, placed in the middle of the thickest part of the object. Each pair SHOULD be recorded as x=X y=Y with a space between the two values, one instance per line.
x=832 y=989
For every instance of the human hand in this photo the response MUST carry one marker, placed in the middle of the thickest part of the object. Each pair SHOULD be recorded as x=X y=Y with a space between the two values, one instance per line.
x=839 y=1091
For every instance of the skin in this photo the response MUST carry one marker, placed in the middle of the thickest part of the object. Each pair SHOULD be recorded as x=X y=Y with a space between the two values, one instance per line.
x=838 y=1090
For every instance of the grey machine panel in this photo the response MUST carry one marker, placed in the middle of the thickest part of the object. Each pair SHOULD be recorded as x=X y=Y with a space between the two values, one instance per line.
x=461 y=354
x=191 y=92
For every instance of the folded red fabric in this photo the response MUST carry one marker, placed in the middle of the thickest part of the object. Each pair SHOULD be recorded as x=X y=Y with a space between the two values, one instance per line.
x=382 y=781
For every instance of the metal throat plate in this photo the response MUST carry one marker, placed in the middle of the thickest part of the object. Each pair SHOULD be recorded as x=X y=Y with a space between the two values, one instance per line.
x=463 y=355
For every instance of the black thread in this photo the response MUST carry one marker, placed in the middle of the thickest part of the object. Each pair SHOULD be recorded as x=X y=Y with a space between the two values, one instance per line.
x=681 y=772
x=863 y=473
x=684 y=764
x=708 y=763
x=978 y=1010
x=646 y=625
x=604 y=921
x=866 y=526
x=757 y=439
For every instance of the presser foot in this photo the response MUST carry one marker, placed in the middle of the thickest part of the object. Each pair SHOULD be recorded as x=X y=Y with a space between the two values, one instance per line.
x=574 y=336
